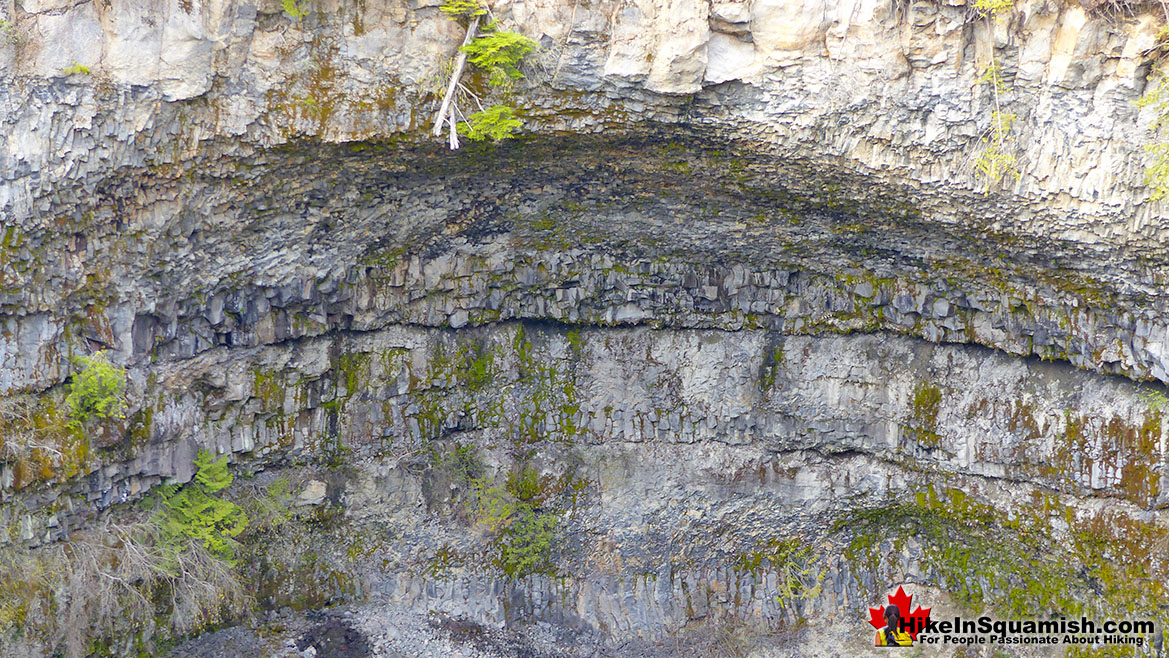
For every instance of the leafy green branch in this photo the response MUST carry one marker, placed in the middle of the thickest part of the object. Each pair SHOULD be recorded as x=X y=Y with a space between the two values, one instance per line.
x=97 y=390
x=498 y=52
x=295 y=9
x=462 y=9
x=194 y=512
x=496 y=123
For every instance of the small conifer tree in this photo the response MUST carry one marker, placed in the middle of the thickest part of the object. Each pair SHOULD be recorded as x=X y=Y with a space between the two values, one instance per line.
x=497 y=53
x=496 y=123
x=194 y=511
x=97 y=389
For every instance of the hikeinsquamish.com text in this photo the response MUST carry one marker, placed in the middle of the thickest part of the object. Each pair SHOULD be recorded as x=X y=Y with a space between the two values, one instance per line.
x=985 y=630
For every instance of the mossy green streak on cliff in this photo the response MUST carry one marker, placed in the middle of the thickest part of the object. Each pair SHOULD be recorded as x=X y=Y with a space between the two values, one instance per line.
x=468 y=379
x=546 y=386
x=1022 y=566
x=926 y=403
x=454 y=374
x=1122 y=451
x=11 y=265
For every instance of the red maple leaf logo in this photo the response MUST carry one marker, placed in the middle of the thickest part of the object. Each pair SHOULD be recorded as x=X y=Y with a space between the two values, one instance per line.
x=911 y=623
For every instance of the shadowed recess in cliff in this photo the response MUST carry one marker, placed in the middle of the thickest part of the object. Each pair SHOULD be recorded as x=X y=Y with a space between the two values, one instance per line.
x=707 y=231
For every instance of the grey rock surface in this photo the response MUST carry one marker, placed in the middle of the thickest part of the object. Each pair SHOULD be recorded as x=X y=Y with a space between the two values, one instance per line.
x=737 y=290
x=885 y=87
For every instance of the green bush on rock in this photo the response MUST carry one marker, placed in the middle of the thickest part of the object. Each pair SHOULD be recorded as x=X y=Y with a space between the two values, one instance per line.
x=499 y=53
x=294 y=9
x=462 y=8
x=193 y=511
x=526 y=529
x=495 y=123
x=97 y=390
x=525 y=546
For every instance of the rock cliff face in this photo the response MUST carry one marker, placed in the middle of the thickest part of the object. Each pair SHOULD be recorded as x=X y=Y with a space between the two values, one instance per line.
x=732 y=341
x=888 y=87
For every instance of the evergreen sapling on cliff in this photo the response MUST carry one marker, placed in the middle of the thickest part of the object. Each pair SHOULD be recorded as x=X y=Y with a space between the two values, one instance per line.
x=497 y=53
x=194 y=511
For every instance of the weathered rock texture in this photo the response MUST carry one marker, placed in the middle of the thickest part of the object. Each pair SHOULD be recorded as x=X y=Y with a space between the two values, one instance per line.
x=886 y=86
x=767 y=333
x=663 y=331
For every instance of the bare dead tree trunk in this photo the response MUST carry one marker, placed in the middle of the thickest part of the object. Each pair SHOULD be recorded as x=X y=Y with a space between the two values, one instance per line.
x=460 y=62
x=454 y=142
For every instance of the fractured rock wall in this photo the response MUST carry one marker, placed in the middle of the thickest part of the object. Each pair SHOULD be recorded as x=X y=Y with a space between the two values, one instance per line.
x=886 y=86
x=752 y=346
x=771 y=304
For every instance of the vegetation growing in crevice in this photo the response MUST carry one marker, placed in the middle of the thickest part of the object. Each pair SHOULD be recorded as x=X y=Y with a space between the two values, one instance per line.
x=525 y=529
x=771 y=366
x=194 y=511
x=496 y=53
x=41 y=441
x=525 y=544
x=1157 y=98
x=993 y=7
x=1154 y=399
x=499 y=53
x=8 y=33
x=48 y=438
x=296 y=9
x=127 y=582
x=75 y=69
x=995 y=160
x=797 y=567
x=495 y=123
x=523 y=514
x=455 y=479
x=97 y=390
x=462 y=8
